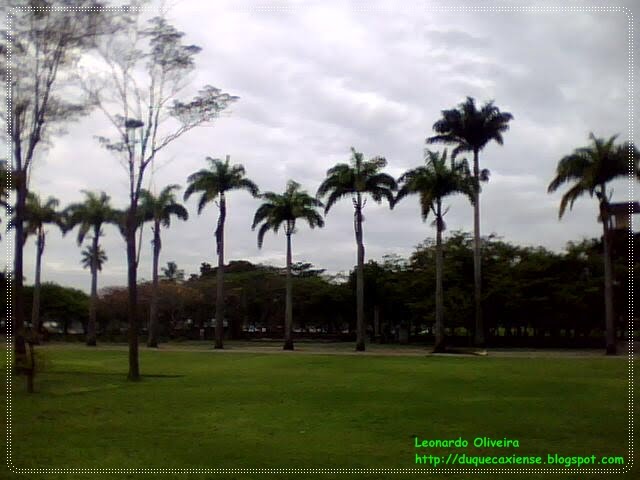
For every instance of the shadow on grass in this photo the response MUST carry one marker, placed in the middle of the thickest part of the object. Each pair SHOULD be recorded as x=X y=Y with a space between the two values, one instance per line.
x=69 y=382
x=109 y=374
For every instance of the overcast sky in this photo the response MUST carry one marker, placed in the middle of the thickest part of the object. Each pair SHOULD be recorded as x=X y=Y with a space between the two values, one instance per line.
x=315 y=78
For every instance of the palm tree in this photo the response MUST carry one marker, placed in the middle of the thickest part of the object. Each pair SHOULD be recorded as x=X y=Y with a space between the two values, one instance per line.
x=37 y=216
x=285 y=209
x=88 y=259
x=357 y=180
x=89 y=256
x=159 y=209
x=213 y=184
x=470 y=130
x=90 y=216
x=433 y=182
x=589 y=169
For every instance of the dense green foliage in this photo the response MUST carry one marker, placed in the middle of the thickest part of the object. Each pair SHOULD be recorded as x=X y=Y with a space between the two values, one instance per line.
x=531 y=293
x=67 y=306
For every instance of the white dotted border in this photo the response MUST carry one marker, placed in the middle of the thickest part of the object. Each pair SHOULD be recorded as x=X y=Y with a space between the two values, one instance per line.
x=9 y=337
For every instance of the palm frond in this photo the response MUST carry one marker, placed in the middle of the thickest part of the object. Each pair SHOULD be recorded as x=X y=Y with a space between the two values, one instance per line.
x=588 y=169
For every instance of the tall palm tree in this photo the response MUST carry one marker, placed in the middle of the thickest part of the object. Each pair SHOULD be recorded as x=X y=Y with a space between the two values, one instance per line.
x=470 y=130
x=213 y=184
x=589 y=169
x=356 y=180
x=433 y=182
x=286 y=208
x=37 y=215
x=90 y=216
x=159 y=210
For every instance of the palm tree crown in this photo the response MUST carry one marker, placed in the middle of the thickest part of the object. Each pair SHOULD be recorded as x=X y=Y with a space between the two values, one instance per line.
x=358 y=177
x=88 y=258
x=160 y=208
x=590 y=168
x=221 y=177
x=436 y=180
x=90 y=214
x=285 y=209
x=471 y=129
x=37 y=214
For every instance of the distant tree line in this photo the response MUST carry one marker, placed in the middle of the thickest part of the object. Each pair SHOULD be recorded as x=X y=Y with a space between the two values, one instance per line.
x=532 y=297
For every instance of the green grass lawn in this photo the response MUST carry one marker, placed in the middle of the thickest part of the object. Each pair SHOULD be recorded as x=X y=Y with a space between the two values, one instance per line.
x=197 y=409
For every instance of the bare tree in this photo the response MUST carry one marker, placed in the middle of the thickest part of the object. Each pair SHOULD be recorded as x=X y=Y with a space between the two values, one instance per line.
x=144 y=68
x=39 y=47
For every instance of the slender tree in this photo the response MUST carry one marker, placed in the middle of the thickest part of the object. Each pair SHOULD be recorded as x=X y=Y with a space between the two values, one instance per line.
x=589 y=169
x=4 y=187
x=356 y=180
x=38 y=50
x=147 y=69
x=213 y=184
x=90 y=216
x=37 y=215
x=433 y=182
x=159 y=210
x=285 y=209
x=470 y=130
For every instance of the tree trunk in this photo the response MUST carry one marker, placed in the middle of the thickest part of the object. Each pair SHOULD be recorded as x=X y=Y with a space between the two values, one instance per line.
x=439 y=345
x=608 y=280
x=288 y=316
x=360 y=326
x=376 y=321
x=35 y=310
x=91 y=327
x=132 y=307
x=479 y=339
x=220 y=273
x=18 y=264
x=152 y=340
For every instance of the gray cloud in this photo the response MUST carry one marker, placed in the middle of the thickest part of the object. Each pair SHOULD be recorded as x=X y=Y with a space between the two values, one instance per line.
x=316 y=79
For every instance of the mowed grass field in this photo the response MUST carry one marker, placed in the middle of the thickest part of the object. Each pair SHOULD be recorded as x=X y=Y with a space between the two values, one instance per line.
x=206 y=409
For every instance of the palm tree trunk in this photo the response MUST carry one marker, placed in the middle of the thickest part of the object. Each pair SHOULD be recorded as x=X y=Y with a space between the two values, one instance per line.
x=132 y=313
x=608 y=280
x=220 y=273
x=152 y=340
x=288 y=316
x=360 y=327
x=479 y=339
x=439 y=345
x=91 y=327
x=35 y=310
